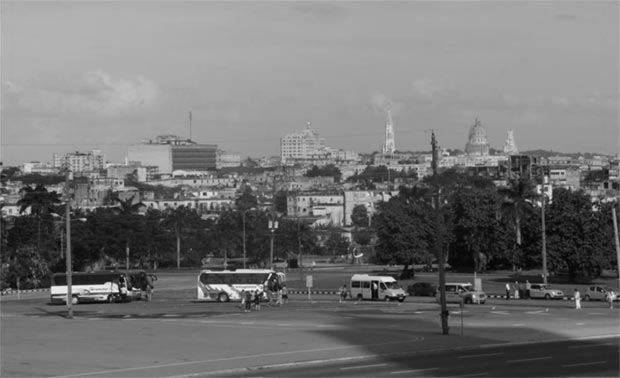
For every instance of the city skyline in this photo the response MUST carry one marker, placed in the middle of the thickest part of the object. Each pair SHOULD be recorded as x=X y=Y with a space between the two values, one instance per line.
x=83 y=75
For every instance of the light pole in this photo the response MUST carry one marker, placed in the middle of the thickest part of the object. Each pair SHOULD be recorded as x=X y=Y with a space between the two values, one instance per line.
x=273 y=225
x=544 y=233
x=68 y=259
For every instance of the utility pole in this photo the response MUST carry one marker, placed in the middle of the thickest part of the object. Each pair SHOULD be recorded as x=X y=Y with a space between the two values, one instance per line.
x=68 y=257
x=543 y=228
x=445 y=329
x=190 y=125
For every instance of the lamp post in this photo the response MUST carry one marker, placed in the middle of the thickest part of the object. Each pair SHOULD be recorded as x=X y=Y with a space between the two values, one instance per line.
x=543 y=230
x=273 y=225
x=68 y=259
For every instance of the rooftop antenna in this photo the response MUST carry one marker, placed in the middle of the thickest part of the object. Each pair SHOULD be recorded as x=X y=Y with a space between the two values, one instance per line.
x=190 y=125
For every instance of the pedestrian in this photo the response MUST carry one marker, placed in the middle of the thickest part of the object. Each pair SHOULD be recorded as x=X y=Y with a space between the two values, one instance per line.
x=278 y=292
x=257 y=300
x=342 y=293
x=577 y=296
x=528 y=286
x=248 y=301
x=146 y=285
x=122 y=287
x=284 y=294
x=610 y=298
x=516 y=290
x=507 y=291
x=242 y=299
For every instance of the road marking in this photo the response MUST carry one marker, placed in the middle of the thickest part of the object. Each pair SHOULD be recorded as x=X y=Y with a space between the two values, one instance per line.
x=529 y=359
x=284 y=324
x=475 y=375
x=499 y=312
x=585 y=364
x=518 y=325
x=581 y=323
x=246 y=323
x=539 y=312
x=412 y=371
x=361 y=366
x=481 y=355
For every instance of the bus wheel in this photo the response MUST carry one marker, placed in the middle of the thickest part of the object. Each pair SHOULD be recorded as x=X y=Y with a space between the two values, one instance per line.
x=74 y=300
x=110 y=298
x=387 y=298
x=223 y=297
x=360 y=297
x=401 y=299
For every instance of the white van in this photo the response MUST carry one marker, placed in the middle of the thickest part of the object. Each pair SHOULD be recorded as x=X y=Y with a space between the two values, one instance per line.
x=376 y=288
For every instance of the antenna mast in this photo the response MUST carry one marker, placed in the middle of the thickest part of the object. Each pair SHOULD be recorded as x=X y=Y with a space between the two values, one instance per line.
x=190 y=125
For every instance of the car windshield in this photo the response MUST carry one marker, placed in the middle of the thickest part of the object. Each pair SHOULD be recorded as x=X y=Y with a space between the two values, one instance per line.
x=392 y=285
x=468 y=287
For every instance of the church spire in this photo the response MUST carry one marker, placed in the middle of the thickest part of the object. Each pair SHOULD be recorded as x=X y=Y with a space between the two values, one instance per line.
x=389 y=145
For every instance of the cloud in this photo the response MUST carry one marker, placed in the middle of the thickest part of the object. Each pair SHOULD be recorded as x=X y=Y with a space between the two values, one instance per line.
x=426 y=89
x=380 y=104
x=92 y=93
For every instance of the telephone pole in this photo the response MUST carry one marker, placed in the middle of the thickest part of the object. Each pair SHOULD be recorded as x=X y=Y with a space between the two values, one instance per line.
x=445 y=329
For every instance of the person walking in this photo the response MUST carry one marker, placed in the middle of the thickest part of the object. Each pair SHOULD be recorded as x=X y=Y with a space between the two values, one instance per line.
x=248 y=301
x=610 y=298
x=507 y=291
x=517 y=290
x=577 y=296
x=342 y=293
x=257 y=300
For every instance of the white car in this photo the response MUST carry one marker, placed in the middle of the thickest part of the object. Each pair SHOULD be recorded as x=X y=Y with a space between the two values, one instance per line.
x=462 y=292
x=543 y=291
x=599 y=293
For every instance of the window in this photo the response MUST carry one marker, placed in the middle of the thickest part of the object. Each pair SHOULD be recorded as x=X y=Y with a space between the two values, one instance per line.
x=366 y=285
x=355 y=284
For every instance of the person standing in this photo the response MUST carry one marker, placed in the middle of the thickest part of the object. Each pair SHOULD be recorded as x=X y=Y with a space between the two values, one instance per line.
x=577 y=296
x=284 y=294
x=257 y=296
x=610 y=298
x=248 y=301
x=507 y=291
x=517 y=290
x=528 y=286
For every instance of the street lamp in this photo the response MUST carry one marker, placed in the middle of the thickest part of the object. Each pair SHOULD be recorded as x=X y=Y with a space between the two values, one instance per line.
x=543 y=191
x=273 y=225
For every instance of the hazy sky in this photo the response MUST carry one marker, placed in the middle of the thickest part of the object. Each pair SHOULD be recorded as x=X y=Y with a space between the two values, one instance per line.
x=82 y=75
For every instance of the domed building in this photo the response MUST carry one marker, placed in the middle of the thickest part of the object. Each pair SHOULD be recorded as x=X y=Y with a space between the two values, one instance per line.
x=477 y=143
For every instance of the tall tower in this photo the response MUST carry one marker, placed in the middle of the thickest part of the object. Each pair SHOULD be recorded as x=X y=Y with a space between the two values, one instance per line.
x=389 y=146
x=510 y=147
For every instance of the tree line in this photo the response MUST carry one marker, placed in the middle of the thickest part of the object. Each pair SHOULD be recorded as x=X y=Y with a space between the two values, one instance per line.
x=482 y=227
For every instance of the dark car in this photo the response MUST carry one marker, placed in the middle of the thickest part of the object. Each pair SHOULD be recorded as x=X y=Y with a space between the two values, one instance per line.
x=421 y=289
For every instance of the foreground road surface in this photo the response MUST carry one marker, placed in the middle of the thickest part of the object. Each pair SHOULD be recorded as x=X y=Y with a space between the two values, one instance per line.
x=174 y=336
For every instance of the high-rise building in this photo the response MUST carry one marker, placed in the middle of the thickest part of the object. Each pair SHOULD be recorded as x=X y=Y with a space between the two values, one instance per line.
x=477 y=143
x=510 y=147
x=389 y=146
x=305 y=144
x=170 y=153
x=80 y=161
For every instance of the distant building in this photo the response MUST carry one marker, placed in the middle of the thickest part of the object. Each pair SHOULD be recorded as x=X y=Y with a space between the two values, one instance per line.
x=80 y=161
x=510 y=147
x=477 y=143
x=170 y=153
x=389 y=146
x=305 y=144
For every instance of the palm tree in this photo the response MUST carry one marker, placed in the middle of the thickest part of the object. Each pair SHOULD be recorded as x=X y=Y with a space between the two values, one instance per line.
x=41 y=203
x=127 y=213
x=177 y=219
x=516 y=199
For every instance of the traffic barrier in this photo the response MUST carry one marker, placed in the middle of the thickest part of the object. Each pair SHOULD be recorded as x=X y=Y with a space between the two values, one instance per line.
x=15 y=291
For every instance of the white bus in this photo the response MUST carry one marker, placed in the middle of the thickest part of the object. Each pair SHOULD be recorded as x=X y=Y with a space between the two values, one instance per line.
x=376 y=288
x=92 y=287
x=226 y=285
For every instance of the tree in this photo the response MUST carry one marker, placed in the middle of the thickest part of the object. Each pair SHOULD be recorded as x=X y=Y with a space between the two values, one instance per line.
x=575 y=235
x=516 y=204
x=246 y=199
x=359 y=216
x=41 y=203
x=329 y=170
x=404 y=228
x=178 y=220
x=129 y=220
x=27 y=266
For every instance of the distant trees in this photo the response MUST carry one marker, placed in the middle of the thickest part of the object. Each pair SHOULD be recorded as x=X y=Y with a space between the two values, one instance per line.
x=329 y=170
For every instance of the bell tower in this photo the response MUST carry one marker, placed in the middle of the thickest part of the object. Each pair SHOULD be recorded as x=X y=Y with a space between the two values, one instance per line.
x=389 y=145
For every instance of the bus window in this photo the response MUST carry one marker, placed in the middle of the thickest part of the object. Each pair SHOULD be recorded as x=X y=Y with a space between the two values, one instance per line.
x=366 y=284
x=355 y=284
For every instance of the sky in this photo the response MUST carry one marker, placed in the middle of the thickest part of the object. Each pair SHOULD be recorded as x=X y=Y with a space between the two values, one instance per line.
x=103 y=75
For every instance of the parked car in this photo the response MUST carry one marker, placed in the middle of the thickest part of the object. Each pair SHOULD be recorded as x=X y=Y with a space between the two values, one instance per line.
x=599 y=293
x=544 y=291
x=462 y=292
x=421 y=289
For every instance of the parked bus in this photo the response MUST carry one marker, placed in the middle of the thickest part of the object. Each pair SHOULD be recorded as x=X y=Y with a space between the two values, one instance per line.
x=94 y=287
x=226 y=285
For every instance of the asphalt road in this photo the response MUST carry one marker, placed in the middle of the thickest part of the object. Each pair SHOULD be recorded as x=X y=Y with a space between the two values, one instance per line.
x=177 y=336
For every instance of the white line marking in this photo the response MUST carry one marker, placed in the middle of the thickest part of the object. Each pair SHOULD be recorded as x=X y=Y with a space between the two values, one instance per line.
x=518 y=325
x=529 y=359
x=481 y=355
x=581 y=323
x=284 y=324
x=412 y=371
x=361 y=366
x=585 y=364
x=588 y=346
x=475 y=375
x=499 y=312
